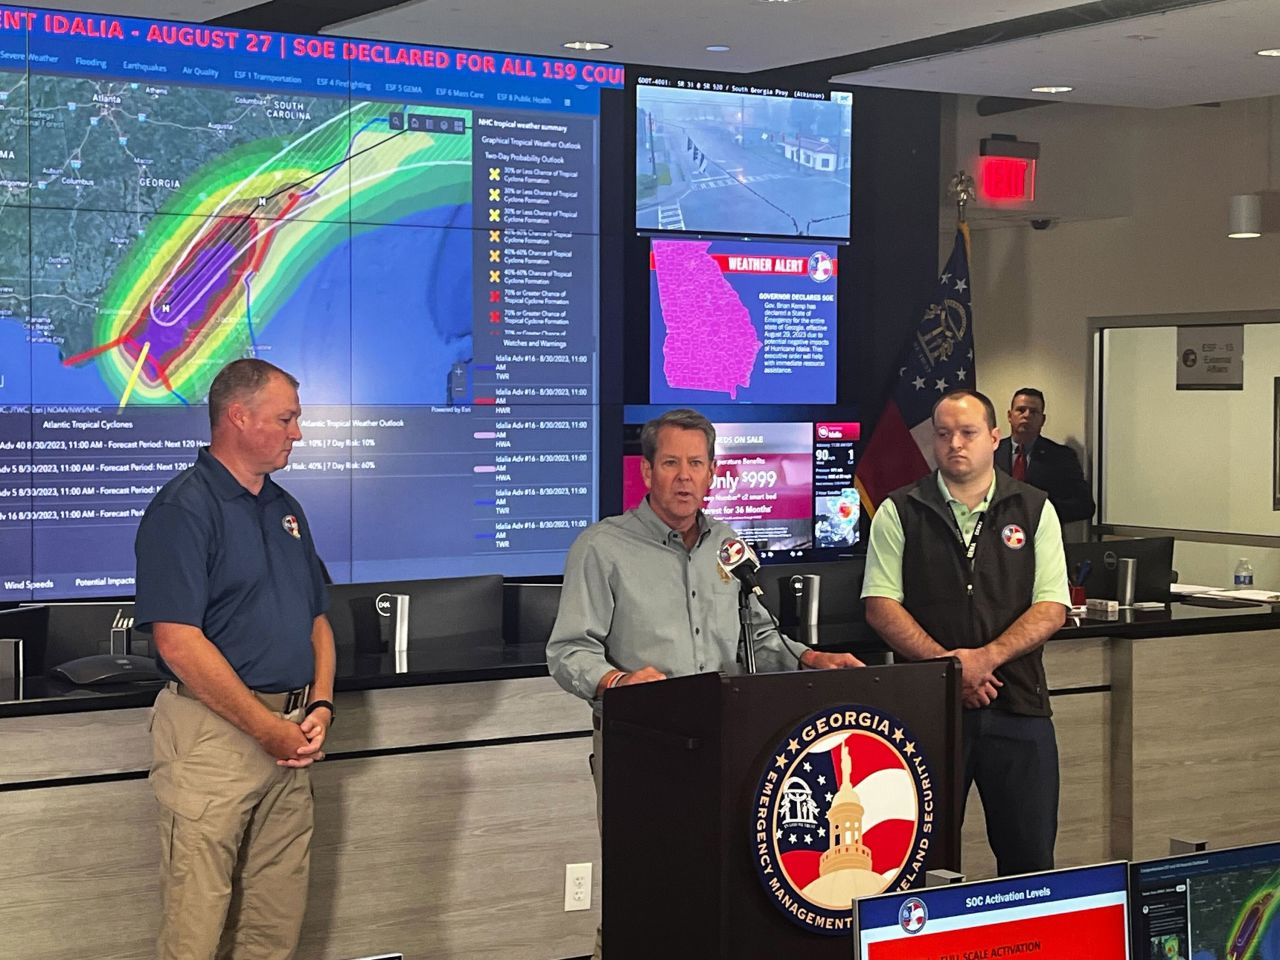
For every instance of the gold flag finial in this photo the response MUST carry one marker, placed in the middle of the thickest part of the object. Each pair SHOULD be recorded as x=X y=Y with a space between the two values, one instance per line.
x=962 y=189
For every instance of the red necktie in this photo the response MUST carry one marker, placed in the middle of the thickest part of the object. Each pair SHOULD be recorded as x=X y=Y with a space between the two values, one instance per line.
x=1020 y=464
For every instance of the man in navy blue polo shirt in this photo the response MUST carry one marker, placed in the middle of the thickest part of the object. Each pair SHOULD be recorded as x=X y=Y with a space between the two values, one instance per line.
x=229 y=581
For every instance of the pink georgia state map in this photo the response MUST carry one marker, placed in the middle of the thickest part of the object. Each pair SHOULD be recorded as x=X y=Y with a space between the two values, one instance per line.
x=711 y=343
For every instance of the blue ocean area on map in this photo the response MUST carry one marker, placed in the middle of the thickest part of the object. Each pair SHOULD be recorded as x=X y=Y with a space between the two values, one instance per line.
x=411 y=313
x=33 y=372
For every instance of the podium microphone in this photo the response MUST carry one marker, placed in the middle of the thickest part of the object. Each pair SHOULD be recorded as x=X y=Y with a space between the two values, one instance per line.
x=737 y=559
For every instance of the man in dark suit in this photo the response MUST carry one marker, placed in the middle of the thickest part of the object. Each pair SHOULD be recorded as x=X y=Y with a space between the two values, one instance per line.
x=1037 y=460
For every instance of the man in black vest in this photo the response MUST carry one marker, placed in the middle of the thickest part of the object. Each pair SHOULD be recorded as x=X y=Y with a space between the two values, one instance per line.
x=968 y=563
x=1053 y=467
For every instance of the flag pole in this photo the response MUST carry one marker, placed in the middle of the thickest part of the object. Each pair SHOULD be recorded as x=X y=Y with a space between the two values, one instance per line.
x=940 y=347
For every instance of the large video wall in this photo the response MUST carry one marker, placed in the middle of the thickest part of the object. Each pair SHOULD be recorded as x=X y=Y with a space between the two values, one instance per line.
x=743 y=195
x=413 y=232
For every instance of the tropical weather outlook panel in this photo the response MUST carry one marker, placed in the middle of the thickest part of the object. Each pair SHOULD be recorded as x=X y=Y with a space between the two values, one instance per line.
x=742 y=322
x=1061 y=915
x=409 y=230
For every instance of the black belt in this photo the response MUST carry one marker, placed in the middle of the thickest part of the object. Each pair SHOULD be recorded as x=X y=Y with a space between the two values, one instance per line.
x=286 y=702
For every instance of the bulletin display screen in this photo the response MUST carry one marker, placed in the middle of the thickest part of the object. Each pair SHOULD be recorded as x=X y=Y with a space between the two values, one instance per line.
x=1060 y=915
x=411 y=231
x=715 y=156
x=1218 y=905
x=743 y=322
x=786 y=488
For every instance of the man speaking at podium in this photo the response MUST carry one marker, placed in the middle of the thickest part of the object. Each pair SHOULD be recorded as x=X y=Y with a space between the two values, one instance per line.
x=644 y=595
x=968 y=563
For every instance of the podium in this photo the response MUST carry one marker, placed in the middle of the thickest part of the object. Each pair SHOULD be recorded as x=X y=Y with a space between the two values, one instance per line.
x=743 y=814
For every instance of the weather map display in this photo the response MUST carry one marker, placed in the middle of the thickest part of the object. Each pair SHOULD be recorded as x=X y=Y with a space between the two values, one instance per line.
x=1220 y=905
x=721 y=157
x=742 y=322
x=411 y=231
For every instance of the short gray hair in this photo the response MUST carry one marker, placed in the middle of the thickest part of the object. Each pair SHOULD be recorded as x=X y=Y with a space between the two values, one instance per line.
x=685 y=419
x=238 y=381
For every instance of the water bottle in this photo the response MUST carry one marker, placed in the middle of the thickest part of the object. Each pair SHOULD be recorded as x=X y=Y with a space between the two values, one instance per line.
x=1244 y=573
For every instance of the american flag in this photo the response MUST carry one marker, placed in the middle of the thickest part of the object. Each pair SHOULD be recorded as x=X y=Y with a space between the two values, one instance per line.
x=885 y=788
x=938 y=358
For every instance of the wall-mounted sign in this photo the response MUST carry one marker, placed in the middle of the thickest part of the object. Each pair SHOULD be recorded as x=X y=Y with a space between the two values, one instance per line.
x=1211 y=358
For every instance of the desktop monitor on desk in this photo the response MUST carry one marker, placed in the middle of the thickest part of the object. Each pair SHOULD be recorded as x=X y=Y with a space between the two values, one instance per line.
x=1154 y=573
x=1059 y=915
x=452 y=606
x=1223 y=904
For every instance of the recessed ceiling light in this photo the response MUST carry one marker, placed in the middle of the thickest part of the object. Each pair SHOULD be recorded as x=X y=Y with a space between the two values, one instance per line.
x=717 y=48
x=1140 y=36
x=586 y=45
x=1052 y=89
x=1274 y=52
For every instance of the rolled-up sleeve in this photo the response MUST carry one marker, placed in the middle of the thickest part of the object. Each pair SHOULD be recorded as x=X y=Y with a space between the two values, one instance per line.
x=577 y=655
x=773 y=651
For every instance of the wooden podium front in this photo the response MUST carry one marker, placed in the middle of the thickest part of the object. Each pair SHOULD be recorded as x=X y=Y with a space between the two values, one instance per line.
x=743 y=814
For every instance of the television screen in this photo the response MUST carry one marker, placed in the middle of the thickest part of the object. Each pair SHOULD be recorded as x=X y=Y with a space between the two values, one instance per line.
x=1217 y=905
x=1059 y=915
x=722 y=157
x=786 y=488
x=742 y=322
x=411 y=231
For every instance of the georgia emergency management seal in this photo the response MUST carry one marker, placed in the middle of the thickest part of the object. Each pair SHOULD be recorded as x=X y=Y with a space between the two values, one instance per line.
x=844 y=809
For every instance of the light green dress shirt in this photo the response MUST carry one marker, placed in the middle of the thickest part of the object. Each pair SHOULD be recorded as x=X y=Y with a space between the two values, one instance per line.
x=633 y=597
x=883 y=576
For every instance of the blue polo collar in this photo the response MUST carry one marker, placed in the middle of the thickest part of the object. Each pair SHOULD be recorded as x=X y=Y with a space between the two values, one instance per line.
x=226 y=486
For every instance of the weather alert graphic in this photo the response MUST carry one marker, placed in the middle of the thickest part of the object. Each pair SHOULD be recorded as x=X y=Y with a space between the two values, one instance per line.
x=742 y=322
x=844 y=810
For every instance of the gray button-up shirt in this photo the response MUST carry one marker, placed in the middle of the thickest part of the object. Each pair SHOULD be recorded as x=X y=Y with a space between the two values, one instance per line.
x=633 y=597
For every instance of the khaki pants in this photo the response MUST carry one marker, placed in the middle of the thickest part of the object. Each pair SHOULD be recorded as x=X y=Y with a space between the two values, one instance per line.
x=235 y=838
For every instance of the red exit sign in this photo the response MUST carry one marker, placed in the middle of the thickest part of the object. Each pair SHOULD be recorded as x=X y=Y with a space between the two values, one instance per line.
x=1006 y=179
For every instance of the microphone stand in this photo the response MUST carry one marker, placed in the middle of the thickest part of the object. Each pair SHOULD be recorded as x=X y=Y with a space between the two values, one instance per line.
x=745 y=639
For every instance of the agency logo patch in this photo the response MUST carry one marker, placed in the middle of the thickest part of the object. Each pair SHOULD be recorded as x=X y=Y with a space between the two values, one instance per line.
x=913 y=915
x=731 y=552
x=1014 y=537
x=290 y=524
x=844 y=809
x=821 y=267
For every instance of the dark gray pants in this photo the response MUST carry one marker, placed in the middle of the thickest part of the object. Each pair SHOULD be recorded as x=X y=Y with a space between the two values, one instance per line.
x=1014 y=762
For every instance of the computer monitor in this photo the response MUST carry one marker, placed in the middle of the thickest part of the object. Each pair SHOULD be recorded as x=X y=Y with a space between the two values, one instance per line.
x=1154 y=573
x=440 y=608
x=1220 y=904
x=1059 y=915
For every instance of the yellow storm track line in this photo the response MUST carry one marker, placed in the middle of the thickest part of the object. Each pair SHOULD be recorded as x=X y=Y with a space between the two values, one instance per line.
x=133 y=377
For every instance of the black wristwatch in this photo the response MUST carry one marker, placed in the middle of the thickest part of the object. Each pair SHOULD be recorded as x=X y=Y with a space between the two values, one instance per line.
x=317 y=704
